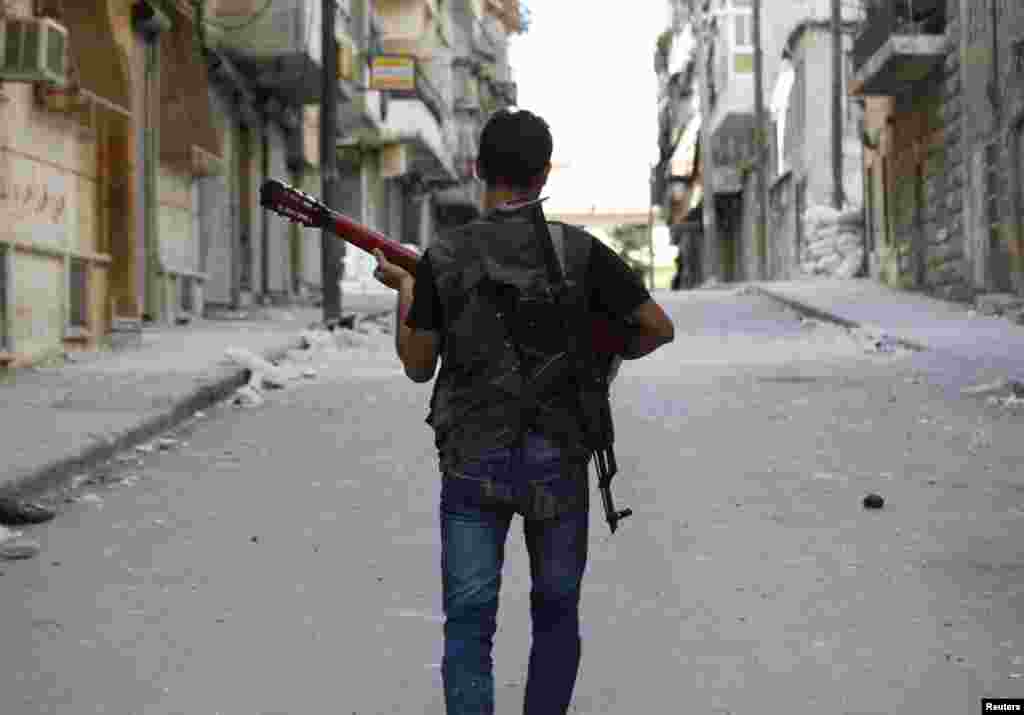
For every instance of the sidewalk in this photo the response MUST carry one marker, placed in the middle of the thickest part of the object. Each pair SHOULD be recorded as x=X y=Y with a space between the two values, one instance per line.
x=58 y=421
x=980 y=346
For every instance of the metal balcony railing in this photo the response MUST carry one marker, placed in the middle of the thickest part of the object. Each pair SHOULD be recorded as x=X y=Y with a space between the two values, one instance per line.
x=885 y=18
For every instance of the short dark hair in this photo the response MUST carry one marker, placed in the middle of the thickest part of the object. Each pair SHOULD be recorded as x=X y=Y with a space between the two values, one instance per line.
x=514 y=148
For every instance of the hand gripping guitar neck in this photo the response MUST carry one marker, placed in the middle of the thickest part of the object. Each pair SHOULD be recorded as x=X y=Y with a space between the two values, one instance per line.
x=282 y=199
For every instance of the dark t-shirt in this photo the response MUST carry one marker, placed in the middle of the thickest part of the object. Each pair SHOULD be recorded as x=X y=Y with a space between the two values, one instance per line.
x=615 y=290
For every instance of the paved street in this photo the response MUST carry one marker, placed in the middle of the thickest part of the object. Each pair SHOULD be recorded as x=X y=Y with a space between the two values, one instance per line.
x=285 y=558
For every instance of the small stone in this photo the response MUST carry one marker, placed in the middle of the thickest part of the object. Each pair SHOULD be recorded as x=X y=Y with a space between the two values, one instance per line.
x=873 y=501
x=255 y=539
x=19 y=548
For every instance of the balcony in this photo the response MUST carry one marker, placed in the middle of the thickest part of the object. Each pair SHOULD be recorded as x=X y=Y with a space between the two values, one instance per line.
x=280 y=50
x=902 y=42
x=417 y=117
x=406 y=26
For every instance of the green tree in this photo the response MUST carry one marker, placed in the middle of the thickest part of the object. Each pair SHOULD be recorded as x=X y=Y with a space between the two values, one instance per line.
x=630 y=243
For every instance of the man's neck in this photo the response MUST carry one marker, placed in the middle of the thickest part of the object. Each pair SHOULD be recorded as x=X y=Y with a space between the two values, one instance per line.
x=493 y=198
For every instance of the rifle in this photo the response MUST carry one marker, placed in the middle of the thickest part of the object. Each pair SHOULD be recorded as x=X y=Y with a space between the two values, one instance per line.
x=607 y=338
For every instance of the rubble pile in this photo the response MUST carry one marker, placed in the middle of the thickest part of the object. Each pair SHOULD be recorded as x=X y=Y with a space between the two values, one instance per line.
x=833 y=242
x=317 y=344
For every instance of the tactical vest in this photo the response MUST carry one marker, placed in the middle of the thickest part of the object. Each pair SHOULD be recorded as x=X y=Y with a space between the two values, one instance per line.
x=502 y=328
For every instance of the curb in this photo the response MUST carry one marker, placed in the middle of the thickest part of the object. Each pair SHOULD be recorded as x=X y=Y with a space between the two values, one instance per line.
x=52 y=475
x=812 y=312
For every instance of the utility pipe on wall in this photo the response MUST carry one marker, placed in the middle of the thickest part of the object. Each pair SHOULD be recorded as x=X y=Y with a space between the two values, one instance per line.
x=150 y=23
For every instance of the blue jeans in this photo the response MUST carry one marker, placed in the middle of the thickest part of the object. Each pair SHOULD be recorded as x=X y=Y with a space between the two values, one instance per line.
x=477 y=505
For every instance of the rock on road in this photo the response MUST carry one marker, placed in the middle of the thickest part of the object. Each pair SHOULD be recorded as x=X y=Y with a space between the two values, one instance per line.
x=285 y=558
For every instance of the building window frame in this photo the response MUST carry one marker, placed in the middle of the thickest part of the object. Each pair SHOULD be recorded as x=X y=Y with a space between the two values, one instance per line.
x=741 y=24
x=78 y=295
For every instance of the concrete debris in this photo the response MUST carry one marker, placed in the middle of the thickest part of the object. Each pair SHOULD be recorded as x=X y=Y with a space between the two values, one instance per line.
x=309 y=373
x=166 y=443
x=145 y=448
x=317 y=339
x=14 y=546
x=995 y=386
x=1009 y=402
x=998 y=303
x=874 y=339
x=269 y=374
x=247 y=396
x=369 y=328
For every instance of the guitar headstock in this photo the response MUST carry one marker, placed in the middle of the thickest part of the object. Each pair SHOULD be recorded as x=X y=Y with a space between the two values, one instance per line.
x=293 y=204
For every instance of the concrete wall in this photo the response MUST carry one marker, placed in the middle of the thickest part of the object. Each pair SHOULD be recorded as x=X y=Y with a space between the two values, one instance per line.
x=988 y=120
x=177 y=214
x=279 y=259
x=815 y=154
x=50 y=213
x=311 y=239
x=217 y=227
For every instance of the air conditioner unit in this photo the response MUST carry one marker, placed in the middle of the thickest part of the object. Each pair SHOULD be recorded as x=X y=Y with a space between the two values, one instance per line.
x=33 y=50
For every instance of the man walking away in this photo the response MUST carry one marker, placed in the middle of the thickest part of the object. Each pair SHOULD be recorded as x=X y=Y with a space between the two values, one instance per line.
x=481 y=298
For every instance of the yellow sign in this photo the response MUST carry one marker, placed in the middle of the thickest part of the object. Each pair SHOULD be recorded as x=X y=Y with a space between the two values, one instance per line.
x=390 y=73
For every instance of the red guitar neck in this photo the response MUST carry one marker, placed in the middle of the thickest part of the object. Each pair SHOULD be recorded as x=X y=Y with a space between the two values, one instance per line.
x=369 y=240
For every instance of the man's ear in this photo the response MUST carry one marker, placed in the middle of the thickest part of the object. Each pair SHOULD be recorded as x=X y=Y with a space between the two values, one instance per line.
x=542 y=179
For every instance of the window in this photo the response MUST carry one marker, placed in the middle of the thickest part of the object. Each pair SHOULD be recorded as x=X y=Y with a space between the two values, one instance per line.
x=743 y=42
x=78 y=287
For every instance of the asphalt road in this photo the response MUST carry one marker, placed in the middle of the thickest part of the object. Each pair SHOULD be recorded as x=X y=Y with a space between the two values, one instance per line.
x=285 y=558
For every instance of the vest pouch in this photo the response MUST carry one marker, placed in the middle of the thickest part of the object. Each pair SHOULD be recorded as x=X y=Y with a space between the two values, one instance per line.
x=538 y=327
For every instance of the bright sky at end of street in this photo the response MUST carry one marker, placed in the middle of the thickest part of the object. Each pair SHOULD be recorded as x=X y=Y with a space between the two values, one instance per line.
x=590 y=73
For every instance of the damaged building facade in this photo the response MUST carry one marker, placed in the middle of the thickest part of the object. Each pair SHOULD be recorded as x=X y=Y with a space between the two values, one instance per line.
x=136 y=135
x=931 y=195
